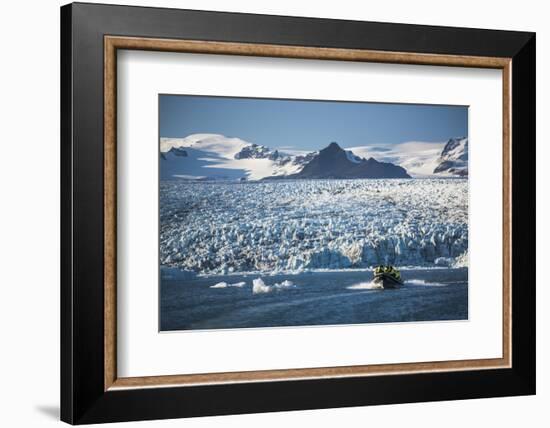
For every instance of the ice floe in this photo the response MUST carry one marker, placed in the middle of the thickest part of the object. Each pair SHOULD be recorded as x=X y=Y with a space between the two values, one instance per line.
x=259 y=286
x=224 y=284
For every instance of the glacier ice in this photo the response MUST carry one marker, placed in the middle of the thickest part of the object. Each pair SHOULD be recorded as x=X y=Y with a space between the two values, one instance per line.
x=461 y=261
x=219 y=228
x=444 y=261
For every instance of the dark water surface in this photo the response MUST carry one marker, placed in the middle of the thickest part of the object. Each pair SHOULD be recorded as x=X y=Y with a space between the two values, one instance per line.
x=320 y=298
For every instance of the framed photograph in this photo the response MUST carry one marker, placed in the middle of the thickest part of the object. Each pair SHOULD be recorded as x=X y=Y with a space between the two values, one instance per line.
x=266 y=213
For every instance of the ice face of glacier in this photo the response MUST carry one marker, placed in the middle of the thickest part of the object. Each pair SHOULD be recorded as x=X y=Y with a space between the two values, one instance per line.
x=297 y=225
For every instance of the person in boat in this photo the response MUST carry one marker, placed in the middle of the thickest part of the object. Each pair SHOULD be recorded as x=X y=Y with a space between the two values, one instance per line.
x=395 y=273
x=388 y=270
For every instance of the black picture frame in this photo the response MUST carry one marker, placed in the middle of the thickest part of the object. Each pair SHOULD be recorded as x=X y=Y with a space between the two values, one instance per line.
x=83 y=397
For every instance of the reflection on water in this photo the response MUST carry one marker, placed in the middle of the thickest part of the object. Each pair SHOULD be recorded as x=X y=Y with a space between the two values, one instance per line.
x=308 y=299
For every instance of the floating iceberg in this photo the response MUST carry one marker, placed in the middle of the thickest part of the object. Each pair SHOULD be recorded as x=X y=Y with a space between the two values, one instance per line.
x=225 y=285
x=259 y=286
x=220 y=285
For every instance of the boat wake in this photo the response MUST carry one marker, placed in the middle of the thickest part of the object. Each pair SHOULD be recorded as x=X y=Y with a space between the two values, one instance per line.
x=369 y=285
x=423 y=283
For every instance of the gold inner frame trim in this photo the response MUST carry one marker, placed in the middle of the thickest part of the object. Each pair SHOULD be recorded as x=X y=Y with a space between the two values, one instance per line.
x=113 y=43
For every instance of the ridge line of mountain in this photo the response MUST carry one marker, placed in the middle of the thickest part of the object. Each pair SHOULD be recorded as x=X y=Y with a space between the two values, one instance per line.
x=214 y=156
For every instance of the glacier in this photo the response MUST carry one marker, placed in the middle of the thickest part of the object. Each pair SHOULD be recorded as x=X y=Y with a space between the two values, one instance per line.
x=268 y=227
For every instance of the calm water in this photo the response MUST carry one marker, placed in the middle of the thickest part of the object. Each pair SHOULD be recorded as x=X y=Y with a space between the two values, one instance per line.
x=325 y=298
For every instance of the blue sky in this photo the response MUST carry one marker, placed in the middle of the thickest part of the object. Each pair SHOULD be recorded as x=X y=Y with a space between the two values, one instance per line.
x=309 y=125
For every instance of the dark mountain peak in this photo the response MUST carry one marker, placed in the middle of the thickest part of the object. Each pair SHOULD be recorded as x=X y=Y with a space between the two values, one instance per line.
x=335 y=162
x=178 y=151
x=332 y=151
x=333 y=147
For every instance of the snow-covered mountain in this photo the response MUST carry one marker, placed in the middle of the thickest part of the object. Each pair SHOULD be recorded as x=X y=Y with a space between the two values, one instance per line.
x=422 y=159
x=214 y=156
x=454 y=158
